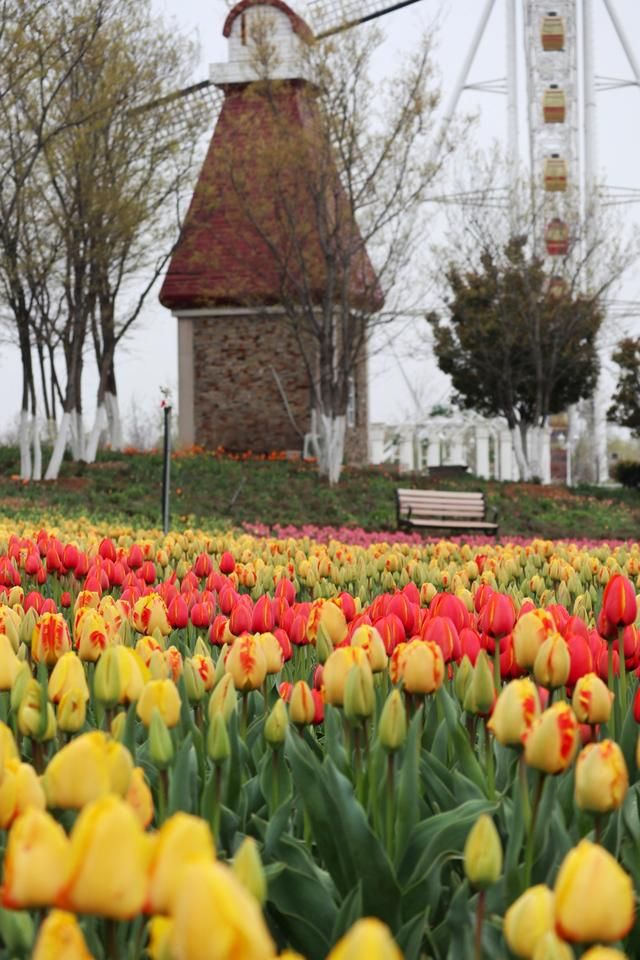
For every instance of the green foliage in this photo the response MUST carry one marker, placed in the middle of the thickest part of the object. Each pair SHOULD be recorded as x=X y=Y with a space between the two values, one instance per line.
x=510 y=346
x=625 y=407
x=627 y=472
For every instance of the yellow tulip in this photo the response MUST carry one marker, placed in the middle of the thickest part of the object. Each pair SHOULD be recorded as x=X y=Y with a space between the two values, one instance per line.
x=139 y=797
x=68 y=674
x=216 y=919
x=36 y=862
x=9 y=663
x=60 y=936
x=528 y=919
x=515 y=710
x=183 y=839
x=160 y=933
x=161 y=695
x=91 y=634
x=272 y=651
x=50 y=639
x=109 y=861
x=592 y=699
x=20 y=790
x=590 y=876
x=604 y=953
x=247 y=866
x=336 y=670
x=422 y=667
x=602 y=779
x=529 y=633
x=551 y=947
x=370 y=640
x=301 y=705
x=89 y=767
x=369 y=938
x=551 y=742
x=150 y=614
x=247 y=663
x=553 y=662
x=72 y=711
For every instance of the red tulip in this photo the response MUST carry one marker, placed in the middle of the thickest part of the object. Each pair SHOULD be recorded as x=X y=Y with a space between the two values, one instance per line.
x=178 y=613
x=581 y=658
x=135 y=558
x=470 y=645
x=107 y=549
x=32 y=564
x=298 y=630
x=442 y=630
x=240 y=620
x=404 y=610
x=619 y=603
x=203 y=565
x=498 y=615
x=227 y=598
x=286 y=590
x=448 y=605
x=285 y=643
x=227 y=563
x=262 y=620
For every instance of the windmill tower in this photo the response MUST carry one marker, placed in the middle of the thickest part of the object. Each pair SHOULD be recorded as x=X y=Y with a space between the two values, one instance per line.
x=245 y=376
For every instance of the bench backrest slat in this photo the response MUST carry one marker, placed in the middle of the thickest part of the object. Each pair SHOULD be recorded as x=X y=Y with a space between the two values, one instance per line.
x=441 y=503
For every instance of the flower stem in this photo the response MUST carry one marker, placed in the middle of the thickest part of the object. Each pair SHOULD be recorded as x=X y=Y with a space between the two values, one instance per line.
x=479 y=925
x=528 y=860
x=612 y=718
x=390 y=811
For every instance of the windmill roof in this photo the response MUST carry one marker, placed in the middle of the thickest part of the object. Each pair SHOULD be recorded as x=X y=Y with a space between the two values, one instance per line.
x=298 y=24
x=255 y=228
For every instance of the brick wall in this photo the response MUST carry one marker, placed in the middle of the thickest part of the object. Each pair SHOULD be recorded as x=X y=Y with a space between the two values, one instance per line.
x=236 y=398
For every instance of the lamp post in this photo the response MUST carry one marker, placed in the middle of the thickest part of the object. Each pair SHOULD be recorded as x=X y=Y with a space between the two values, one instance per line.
x=166 y=462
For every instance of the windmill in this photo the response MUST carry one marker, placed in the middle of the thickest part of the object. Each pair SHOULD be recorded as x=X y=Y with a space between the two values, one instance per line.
x=561 y=125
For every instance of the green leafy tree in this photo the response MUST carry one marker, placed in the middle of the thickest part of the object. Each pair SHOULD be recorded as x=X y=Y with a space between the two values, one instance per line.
x=515 y=343
x=625 y=405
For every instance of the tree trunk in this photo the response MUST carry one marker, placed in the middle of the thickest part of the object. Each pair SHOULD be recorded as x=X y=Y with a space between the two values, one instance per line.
x=64 y=429
x=330 y=445
x=25 y=446
x=37 y=449
x=100 y=424
x=518 y=439
x=116 y=437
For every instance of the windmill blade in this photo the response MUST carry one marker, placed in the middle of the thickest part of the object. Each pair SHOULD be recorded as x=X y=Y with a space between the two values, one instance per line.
x=181 y=108
x=328 y=17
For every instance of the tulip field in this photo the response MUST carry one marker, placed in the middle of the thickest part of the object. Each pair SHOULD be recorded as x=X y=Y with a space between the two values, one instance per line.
x=242 y=747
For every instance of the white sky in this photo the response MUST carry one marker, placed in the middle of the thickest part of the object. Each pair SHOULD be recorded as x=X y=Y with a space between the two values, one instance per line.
x=148 y=360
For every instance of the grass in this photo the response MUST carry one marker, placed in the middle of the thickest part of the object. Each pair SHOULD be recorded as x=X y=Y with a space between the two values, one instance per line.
x=214 y=491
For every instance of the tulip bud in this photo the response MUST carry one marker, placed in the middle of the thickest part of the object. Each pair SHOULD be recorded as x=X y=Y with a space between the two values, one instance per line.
x=218 y=745
x=248 y=868
x=483 y=854
x=161 y=748
x=359 y=696
x=551 y=947
x=324 y=647
x=117 y=727
x=72 y=711
x=553 y=662
x=463 y=678
x=481 y=690
x=529 y=919
x=106 y=679
x=223 y=699
x=22 y=678
x=275 y=728
x=368 y=938
x=36 y=718
x=193 y=682
x=602 y=779
x=159 y=666
x=301 y=705
x=25 y=630
x=392 y=728
x=201 y=649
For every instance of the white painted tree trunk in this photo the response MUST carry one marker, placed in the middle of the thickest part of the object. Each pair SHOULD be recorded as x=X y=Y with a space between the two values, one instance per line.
x=534 y=451
x=100 y=424
x=116 y=438
x=25 y=446
x=520 y=455
x=331 y=446
x=77 y=435
x=64 y=430
x=37 y=449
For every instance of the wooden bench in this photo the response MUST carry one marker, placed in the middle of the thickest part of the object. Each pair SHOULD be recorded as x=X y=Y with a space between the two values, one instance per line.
x=444 y=510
